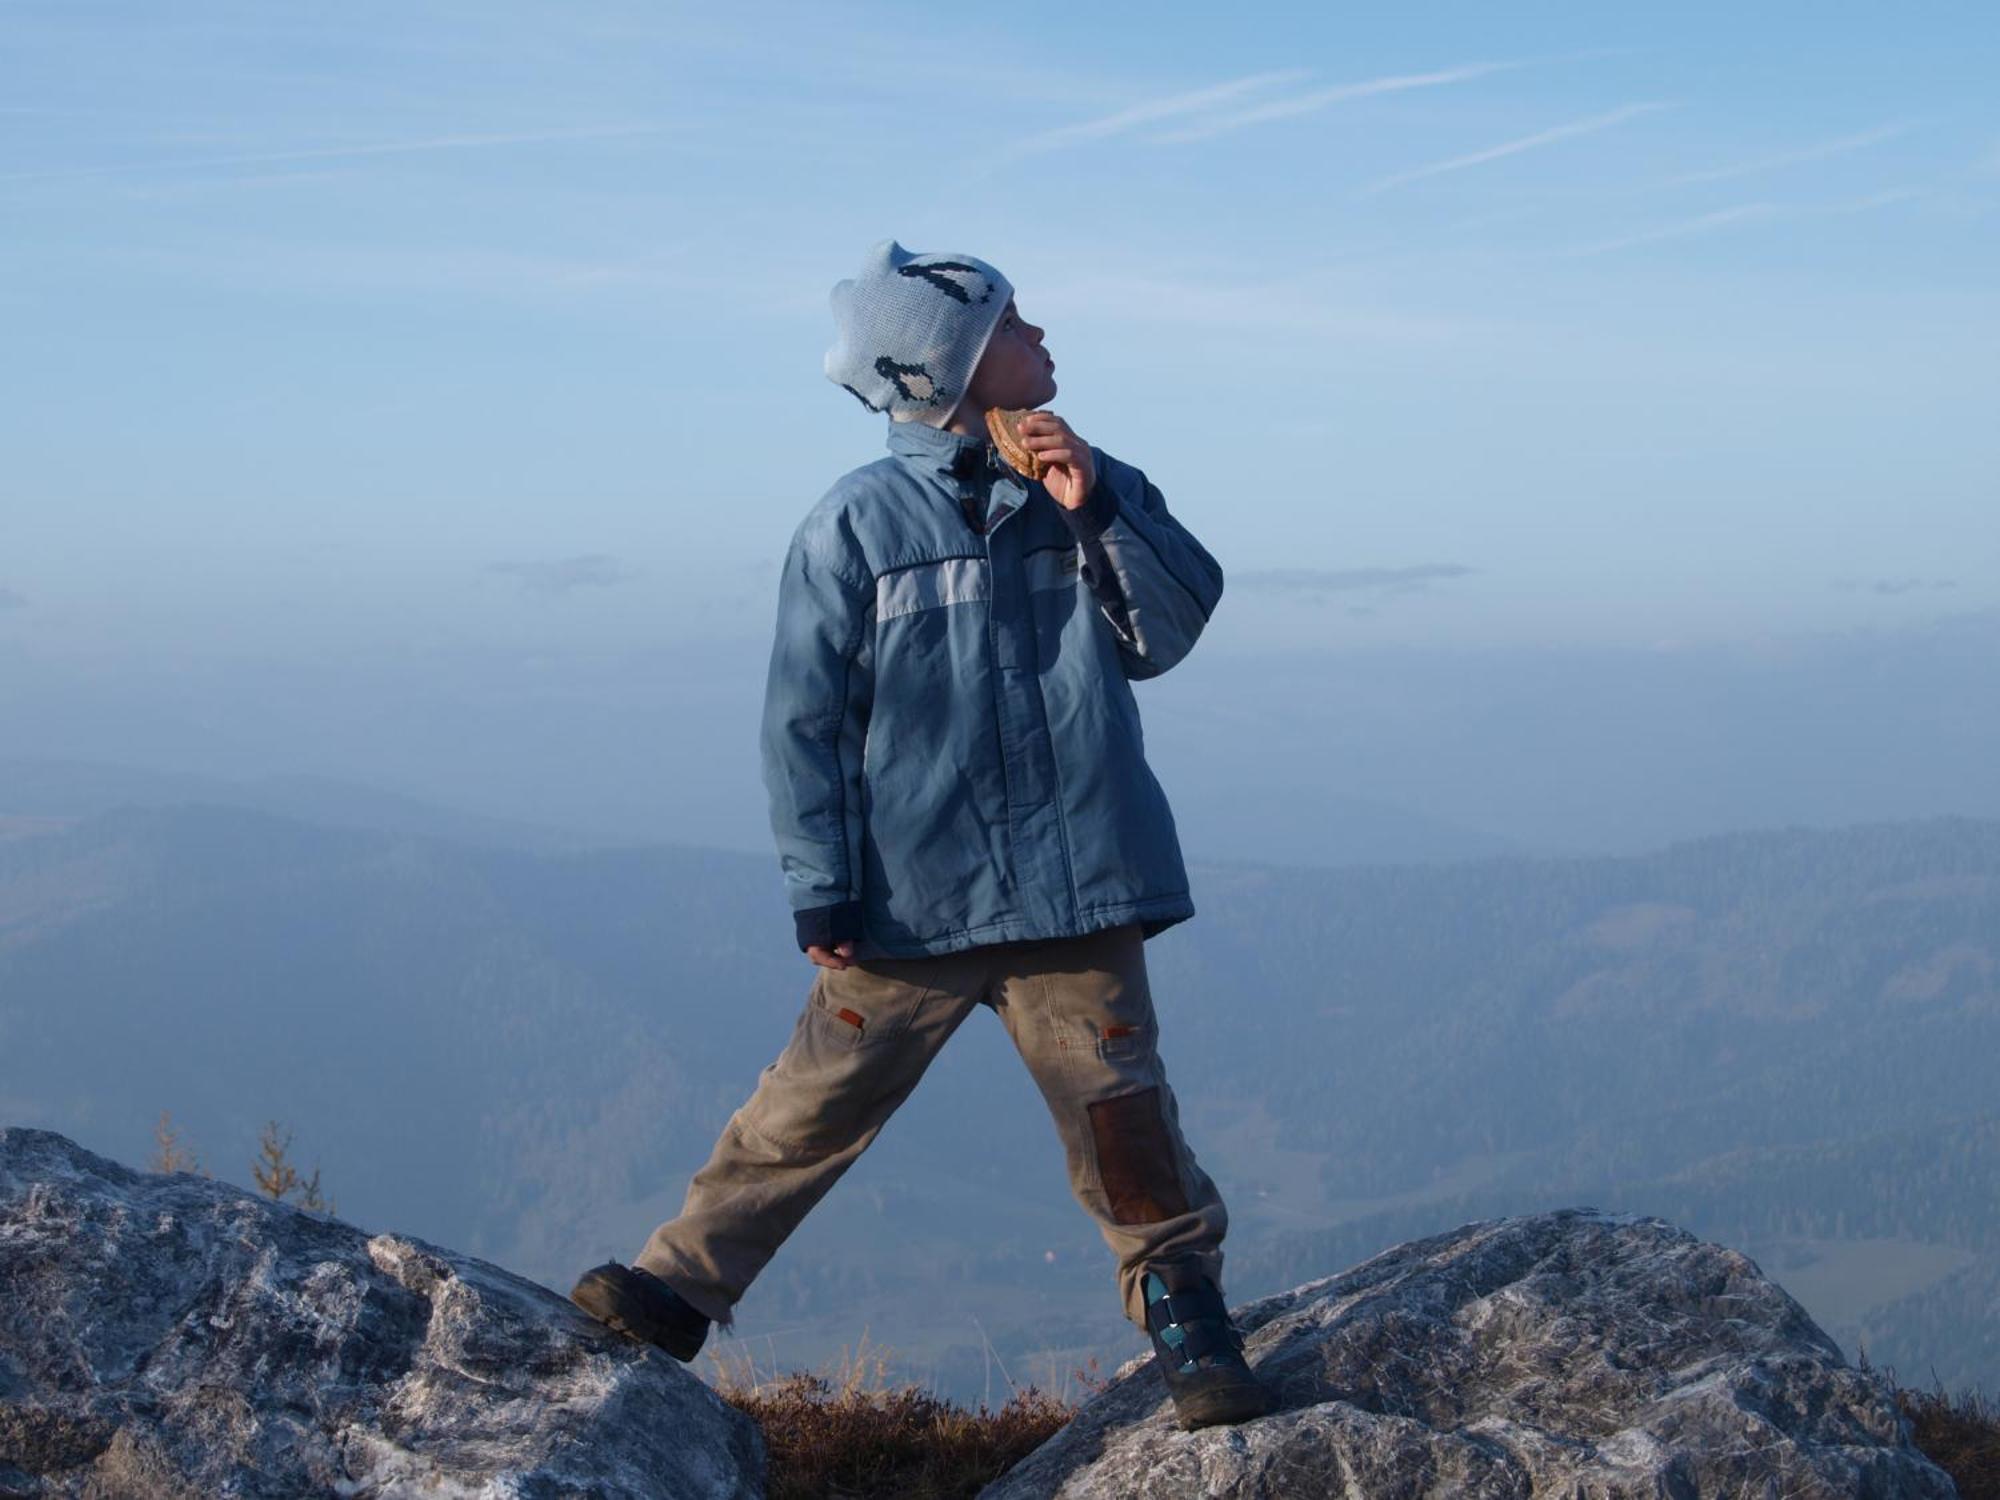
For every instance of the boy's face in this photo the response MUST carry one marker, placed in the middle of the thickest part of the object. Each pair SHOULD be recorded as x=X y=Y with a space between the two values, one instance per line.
x=1014 y=371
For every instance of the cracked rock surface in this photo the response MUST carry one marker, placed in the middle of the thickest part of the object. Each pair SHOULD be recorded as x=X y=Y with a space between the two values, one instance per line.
x=172 y=1336
x=1575 y=1354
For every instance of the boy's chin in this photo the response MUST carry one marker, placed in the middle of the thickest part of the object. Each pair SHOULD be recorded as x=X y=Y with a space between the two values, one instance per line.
x=1032 y=398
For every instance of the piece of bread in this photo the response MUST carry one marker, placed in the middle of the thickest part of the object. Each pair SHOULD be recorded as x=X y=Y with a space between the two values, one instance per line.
x=1005 y=426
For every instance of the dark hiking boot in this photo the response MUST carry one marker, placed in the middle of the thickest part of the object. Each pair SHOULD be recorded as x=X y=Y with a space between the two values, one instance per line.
x=1200 y=1354
x=638 y=1303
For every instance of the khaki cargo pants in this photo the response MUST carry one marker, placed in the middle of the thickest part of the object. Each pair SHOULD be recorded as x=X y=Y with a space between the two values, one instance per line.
x=1079 y=1011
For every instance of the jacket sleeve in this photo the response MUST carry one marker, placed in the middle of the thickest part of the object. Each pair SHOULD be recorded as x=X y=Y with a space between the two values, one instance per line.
x=817 y=698
x=1154 y=582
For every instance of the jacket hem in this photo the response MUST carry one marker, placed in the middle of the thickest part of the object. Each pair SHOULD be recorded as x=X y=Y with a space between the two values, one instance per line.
x=1153 y=913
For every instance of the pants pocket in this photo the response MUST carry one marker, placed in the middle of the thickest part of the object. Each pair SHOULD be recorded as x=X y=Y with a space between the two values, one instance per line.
x=841 y=1026
x=865 y=1004
x=1121 y=1041
x=816 y=1097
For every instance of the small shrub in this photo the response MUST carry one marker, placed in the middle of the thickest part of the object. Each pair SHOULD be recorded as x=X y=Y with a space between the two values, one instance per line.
x=277 y=1178
x=170 y=1155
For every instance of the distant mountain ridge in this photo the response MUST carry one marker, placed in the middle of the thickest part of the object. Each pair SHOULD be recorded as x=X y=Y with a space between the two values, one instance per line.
x=69 y=789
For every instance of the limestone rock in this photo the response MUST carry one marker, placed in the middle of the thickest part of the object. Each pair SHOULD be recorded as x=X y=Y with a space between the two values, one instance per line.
x=1574 y=1354
x=171 y=1336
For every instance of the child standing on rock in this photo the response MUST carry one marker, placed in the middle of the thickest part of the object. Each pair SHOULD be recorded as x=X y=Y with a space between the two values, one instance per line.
x=964 y=816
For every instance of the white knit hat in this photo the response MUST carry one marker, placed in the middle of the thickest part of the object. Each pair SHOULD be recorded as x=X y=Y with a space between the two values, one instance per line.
x=912 y=329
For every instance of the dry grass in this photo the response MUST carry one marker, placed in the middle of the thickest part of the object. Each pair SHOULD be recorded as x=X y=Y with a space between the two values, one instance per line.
x=853 y=1434
x=1960 y=1434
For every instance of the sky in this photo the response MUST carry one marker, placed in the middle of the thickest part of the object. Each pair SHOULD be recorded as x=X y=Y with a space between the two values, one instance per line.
x=422 y=326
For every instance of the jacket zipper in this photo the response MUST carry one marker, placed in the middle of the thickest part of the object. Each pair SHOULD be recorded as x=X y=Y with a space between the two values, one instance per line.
x=968 y=504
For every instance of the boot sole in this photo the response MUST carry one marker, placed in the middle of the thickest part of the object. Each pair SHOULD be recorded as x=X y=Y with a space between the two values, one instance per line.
x=607 y=1301
x=1221 y=1414
x=1223 y=1406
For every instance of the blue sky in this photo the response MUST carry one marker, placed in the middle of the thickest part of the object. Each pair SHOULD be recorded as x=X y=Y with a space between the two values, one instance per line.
x=440 y=324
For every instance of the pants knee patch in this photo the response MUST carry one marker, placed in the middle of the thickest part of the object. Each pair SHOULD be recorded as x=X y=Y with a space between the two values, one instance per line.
x=1136 y=1158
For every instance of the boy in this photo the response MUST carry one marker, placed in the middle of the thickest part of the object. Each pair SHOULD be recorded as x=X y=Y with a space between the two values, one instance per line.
x=964 y=816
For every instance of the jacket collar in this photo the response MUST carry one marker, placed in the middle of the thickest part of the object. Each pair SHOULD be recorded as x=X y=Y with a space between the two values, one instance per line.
x=928 y=447
x=962 y=464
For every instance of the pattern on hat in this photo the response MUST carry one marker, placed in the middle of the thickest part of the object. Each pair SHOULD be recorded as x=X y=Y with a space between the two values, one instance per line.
x=920 y=388
x=931 y=270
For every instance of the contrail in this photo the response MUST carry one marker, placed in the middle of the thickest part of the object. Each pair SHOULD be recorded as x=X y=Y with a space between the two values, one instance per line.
x=1509 y=148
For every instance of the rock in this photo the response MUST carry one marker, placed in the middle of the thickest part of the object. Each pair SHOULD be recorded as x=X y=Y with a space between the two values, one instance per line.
x=1573 y=1353
x=172 y=1336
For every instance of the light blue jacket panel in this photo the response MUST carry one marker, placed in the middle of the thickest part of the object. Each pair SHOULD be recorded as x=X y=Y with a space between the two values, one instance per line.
x=950 y=741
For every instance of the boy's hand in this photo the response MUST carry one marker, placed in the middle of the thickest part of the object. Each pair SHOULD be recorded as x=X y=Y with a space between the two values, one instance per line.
x=837 y=957
x=1071 y=470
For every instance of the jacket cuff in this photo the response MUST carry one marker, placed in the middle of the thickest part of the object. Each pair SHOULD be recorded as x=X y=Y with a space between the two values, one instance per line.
x=1096 y=513
x=824 y=926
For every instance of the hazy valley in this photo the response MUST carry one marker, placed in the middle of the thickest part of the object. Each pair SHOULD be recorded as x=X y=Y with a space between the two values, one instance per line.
x=1781 y=1039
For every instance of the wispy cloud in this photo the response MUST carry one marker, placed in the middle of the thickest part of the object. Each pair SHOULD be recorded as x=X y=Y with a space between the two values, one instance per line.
x=1892 y=585
x=1318 y=99
x=1156 y=109
x=1574 y=128
x=1318 y=584
x=1218 y=97
x=1724 y=217
x=1281 y=309
x=9 y=599
x=1878 y=200
x=344 y=153
x=563 y=575
x=329 y=268
x=1838 y=146
x=1700 y=224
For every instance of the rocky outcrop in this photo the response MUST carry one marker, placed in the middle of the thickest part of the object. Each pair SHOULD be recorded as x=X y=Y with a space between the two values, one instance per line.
x=1573 y=1354
x=171 y=1336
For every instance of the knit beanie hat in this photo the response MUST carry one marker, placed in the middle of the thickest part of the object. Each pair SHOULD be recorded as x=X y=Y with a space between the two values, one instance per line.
x=912 y=329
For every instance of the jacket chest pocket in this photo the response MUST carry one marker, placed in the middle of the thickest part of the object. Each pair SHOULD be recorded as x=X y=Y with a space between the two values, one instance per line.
x=929 y=585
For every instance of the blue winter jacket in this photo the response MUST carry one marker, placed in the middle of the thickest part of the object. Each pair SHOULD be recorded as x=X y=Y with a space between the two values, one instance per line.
x=950 y=740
